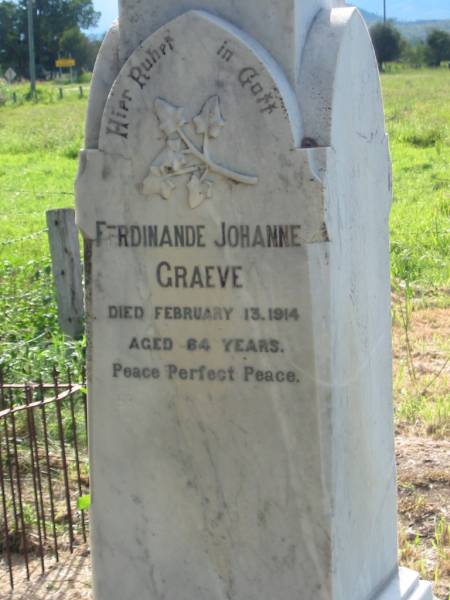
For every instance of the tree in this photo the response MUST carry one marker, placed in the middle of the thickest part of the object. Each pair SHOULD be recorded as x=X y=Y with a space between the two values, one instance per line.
x=13 y=48
x=414 y=54
x=51 y=19
x=387 y=42
x=75 y=44
x=438 y=47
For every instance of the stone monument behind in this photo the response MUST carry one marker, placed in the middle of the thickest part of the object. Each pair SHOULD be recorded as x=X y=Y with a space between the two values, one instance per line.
x=234 y=195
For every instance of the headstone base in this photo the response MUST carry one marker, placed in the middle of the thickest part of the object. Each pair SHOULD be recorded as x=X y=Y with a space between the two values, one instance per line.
x=411 y=587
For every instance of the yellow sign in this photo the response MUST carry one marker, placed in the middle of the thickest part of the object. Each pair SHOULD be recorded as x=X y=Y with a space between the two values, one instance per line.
x=63 y=63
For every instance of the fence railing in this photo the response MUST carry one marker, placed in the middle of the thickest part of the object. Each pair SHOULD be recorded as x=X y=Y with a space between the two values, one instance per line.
x=43 y=471
x=18 y=95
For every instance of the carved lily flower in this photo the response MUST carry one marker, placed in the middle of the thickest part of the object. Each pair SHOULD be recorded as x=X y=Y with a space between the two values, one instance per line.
x=210 y=121
x=170 y=117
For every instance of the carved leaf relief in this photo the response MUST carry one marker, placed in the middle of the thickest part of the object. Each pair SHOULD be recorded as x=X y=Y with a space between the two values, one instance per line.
x=181 y=157
x=210 y=121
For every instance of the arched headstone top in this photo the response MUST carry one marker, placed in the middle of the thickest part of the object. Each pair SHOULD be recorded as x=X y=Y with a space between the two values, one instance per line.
x=281 y=27
x=219 y=58
x=330 y=74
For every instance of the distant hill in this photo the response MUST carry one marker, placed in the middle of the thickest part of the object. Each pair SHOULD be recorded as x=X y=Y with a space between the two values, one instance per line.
x=370 y=17
x=418 y=30
x=413 y=31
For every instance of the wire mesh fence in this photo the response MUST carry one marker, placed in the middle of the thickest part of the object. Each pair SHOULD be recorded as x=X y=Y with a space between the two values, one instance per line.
x=44 y=475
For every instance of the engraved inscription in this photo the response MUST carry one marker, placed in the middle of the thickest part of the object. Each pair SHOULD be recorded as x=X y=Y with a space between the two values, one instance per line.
x=208 y=309
x=118 y=123
x=225 y=52
x=249 y=78
x=186 y=354
x=140 y=73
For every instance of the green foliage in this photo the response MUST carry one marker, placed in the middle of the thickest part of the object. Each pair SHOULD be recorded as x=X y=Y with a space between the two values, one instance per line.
x=84 y=503
x=13 y=48
x=4 y=92
x=30 y=339
x=85 y=77
x=387 y=42
x=45 y=94
x=434 y=413
x=438 y=47
x=412 y=31
x=75 y=44
x=51 y=19
x=414 y=54
x=418 y=121
x=45 y=125
x=39 y=144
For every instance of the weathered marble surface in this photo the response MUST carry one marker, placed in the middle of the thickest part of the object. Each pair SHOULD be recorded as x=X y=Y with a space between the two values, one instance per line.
x=209 y=482
x=281 y=27
x=106 y=70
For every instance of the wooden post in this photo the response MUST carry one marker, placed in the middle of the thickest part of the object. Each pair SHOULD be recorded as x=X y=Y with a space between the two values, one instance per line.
x=65 y=251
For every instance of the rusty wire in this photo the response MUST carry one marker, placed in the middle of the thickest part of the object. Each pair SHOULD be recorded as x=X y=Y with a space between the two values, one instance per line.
x=43 y=449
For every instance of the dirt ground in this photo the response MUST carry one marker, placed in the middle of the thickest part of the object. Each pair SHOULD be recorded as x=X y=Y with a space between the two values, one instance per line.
x=421 y=352
x=70 y=579
x=424 y=499
x=424 y=509
x=421 y=373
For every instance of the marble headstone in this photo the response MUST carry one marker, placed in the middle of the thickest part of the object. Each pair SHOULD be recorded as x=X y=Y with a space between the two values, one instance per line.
x=234 y=196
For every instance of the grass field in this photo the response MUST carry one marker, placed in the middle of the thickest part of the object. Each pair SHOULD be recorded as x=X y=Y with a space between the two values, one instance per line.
x=39 y=145
x=418 y=122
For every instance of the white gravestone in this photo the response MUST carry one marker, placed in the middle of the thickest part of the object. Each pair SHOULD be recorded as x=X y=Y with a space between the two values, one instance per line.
x=234 y=196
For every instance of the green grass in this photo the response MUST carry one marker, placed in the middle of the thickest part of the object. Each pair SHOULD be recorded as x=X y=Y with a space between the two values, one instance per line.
x=418 y=121
x=39 y=143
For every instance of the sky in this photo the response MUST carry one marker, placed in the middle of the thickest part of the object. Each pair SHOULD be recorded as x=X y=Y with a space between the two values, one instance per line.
x=402 y=10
